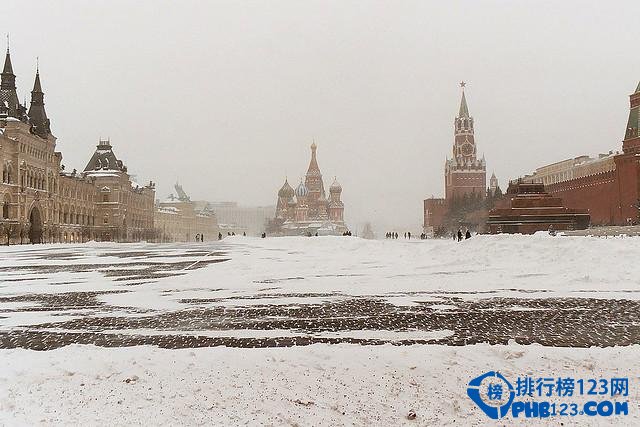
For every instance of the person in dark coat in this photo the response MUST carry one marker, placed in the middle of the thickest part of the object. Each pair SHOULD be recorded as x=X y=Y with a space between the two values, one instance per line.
x=467 y=234
x=219 y=236
x=459 y=235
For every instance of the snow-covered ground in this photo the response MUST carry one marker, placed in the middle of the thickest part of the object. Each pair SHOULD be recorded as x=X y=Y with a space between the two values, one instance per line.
x=307 y=386
x=307 y=331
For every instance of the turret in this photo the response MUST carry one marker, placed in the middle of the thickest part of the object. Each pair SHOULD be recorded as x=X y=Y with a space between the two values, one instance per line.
x=336 y=207
x=37 y=114
x=631 y=143
x=302 y=207
x=9 y=103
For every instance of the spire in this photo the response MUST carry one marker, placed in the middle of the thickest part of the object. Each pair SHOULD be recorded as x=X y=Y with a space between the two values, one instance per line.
x=313 y=164
x=36 y=85
x=631 y=142
x=8 y=94
x=37 y=114
x=8 y=67
x=464 y=110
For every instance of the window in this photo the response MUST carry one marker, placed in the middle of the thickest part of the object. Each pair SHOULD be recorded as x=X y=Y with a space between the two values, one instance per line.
x=105 y=197
x=5 y=210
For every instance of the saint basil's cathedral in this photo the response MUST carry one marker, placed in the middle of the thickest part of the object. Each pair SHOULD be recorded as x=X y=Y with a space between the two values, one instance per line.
x=306 y=210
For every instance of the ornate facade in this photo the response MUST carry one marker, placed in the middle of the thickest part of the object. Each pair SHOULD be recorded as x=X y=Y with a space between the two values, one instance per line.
x=41 y=202
x=306 y=210
x=178 y=219
x=124 y=209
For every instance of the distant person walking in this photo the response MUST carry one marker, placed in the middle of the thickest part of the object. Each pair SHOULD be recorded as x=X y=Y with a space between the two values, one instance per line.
x=467 y=234
x=409 y=235
x=219 y=236
x=459 y=235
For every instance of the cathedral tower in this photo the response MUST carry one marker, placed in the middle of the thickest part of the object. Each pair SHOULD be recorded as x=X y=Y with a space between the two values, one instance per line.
x=313 y=182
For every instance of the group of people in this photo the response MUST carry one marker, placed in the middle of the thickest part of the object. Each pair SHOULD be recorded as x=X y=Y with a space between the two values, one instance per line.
x=199 y=237
x=394 y=235
x=229 y=233
x=458 y=236
x=346 y=233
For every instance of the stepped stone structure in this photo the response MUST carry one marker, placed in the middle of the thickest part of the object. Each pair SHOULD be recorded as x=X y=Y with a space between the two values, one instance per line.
x=528 y=208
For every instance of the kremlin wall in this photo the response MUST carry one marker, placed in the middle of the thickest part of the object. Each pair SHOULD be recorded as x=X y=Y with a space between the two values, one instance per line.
x=605 y=188
x=608 y=187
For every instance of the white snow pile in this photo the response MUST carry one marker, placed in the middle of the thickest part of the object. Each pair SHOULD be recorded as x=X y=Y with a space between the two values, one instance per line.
x=314 y=385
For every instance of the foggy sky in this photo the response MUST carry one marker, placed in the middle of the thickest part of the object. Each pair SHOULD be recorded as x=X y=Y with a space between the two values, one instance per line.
x=227 y=96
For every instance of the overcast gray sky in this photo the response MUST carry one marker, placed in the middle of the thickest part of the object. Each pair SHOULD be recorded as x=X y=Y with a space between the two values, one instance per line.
x=228 y=95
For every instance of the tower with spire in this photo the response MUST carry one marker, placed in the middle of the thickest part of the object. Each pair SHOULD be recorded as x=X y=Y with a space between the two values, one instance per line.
x=313 y=182
x=9 y=103
x=631 y=142
x=465 y=174
x=37 y=115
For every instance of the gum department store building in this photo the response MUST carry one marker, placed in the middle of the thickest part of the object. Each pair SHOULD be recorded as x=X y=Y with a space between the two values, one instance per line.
x=41 y=202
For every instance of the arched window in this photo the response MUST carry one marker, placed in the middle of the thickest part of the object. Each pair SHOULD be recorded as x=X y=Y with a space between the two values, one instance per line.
x=5 y=210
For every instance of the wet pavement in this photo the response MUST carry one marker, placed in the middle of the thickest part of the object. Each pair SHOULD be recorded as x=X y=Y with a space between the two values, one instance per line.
x=275 y=317
x=571 y=322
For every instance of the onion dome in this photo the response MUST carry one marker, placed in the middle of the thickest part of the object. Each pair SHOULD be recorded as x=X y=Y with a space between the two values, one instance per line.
x=301 y=190
x=286 y=192
x=335 y=187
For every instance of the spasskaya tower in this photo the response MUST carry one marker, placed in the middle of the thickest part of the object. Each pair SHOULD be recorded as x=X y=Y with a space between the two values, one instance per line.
x=464 y=172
